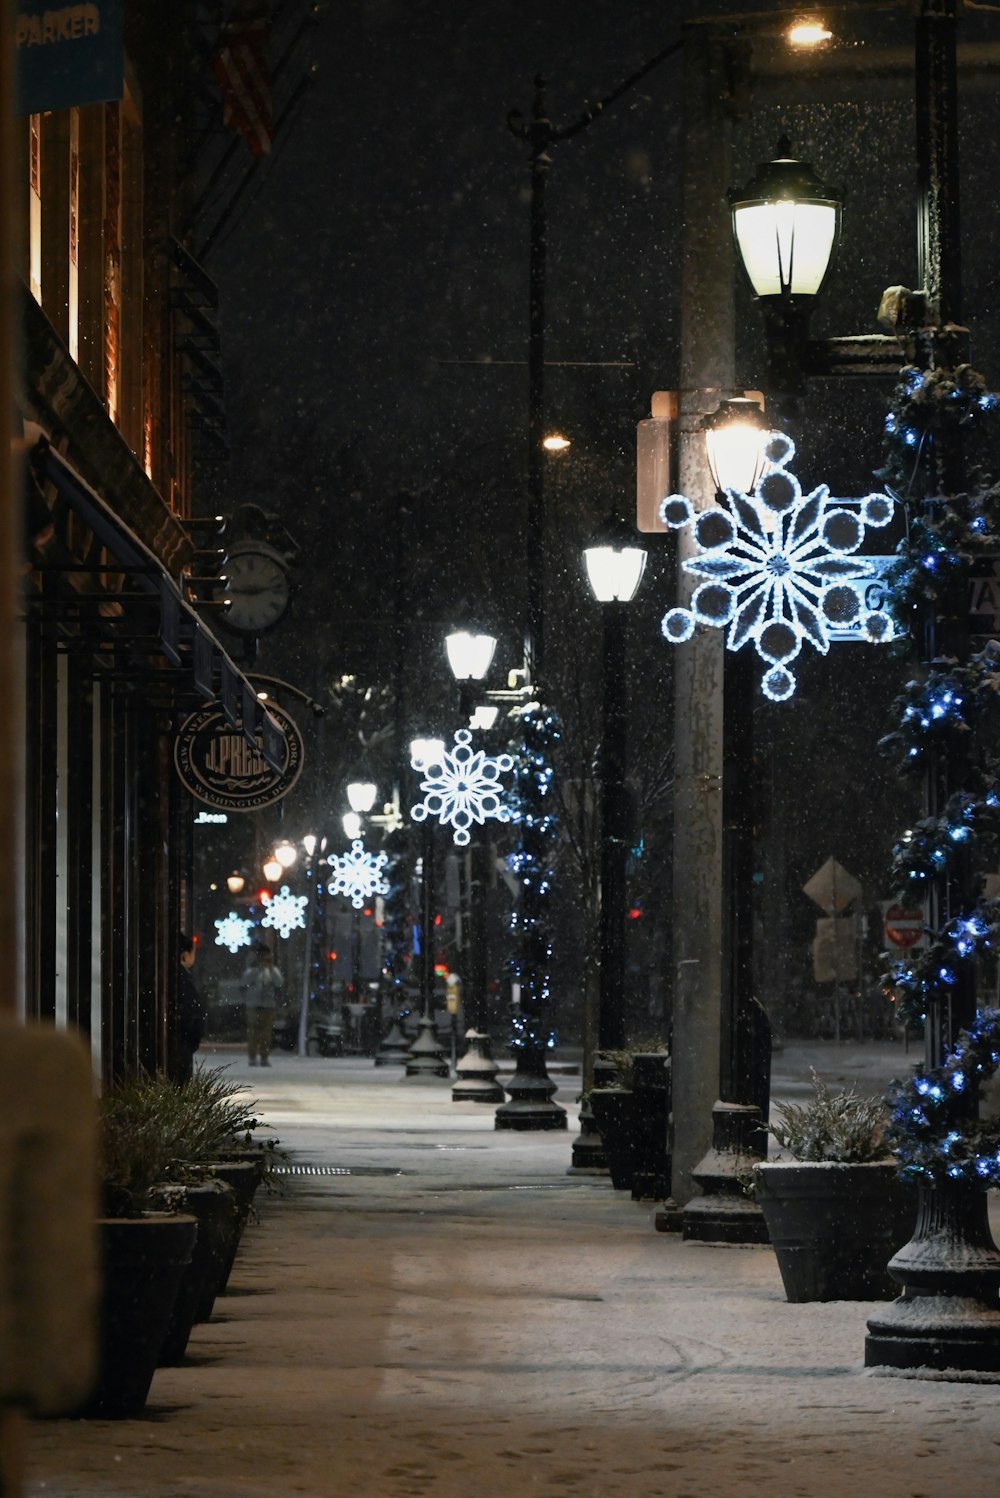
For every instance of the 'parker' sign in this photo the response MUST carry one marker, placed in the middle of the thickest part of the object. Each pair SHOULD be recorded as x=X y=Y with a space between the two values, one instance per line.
x=67 y=54
x=219 y=766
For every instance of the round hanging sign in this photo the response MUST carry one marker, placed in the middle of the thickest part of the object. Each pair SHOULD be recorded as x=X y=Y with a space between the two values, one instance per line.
x=218 y=765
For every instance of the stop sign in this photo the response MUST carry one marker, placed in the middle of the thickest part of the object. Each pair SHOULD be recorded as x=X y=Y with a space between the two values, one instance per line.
x=903 y=927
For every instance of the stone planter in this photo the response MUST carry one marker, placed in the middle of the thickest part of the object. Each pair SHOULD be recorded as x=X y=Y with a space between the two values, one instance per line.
x=213 y=1205
x=244 y=1177
x=142 y=1263
x=614 y=1111
x=834 y=1227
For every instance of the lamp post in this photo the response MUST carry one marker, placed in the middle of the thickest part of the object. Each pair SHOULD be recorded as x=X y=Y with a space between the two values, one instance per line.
x=735 y=437
x=947 y=1316
x=470 y=656
x=615 y=565
x=425 y=1057
x=786 y=222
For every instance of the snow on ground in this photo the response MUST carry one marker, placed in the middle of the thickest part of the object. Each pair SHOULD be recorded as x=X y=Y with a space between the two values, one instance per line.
x=482 y=1324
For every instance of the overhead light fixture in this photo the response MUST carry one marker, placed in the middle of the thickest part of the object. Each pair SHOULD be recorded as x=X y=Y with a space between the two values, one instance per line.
x=809 y=33
x=555 y=442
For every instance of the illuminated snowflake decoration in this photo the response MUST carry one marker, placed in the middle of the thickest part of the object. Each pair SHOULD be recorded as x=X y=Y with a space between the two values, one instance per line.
x=285 y=912
x=778 y=567
x=462 y=787
x=233 y=931
x=358 y=874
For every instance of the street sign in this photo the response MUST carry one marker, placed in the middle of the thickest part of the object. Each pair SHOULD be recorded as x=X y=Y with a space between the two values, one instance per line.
x=903 y=927
x=832 y=887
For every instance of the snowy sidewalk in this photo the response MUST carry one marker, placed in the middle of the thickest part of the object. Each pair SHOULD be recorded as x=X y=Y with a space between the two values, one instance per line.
x=480 y=1325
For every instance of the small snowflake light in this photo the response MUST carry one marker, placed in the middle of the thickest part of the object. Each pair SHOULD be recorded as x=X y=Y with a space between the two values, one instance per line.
x=285 y=912
x=780 y=567
x=462 y=787
x=358 y=874
x=233 y=931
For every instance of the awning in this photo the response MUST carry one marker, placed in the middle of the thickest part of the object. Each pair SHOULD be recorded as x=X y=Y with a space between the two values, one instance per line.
x=184 y=638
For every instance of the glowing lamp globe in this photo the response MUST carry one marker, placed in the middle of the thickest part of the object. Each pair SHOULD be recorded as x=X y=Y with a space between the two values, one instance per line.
x=361 y=795
x=736 y=443
x=485 y=716
x=351 y=821
x=309 y=843
x=425 y=752
x=286 y=854
x=235 y=882
x=615 y=564
x=786 y=222
x=469 y=655
x=272 y=870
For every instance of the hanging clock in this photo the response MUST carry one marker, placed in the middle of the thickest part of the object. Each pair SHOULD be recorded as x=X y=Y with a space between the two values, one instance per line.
x=259 y=588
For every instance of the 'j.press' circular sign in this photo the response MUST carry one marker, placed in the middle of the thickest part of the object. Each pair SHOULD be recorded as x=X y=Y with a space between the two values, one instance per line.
x=219 y=766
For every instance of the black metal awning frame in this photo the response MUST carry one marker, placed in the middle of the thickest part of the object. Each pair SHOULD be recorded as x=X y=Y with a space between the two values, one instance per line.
x=182 y=638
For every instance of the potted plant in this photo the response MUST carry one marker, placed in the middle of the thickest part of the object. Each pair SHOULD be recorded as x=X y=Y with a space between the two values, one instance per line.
x=144 y=1252
x=631 y=1110
x=836 y=1211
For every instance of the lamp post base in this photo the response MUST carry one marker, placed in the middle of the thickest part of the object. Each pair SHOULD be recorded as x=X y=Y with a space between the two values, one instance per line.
x=588 y=1155
x=395 y=1048
x=530 y=1104
x=947 y=1319
x=425 y=1057
x=476 y=1073
x=723 y=1213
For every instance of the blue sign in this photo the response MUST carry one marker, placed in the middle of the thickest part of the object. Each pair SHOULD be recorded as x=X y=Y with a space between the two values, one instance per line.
x=68 y=54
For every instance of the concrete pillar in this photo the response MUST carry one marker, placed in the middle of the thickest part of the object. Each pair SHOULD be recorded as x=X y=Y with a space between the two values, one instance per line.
x=707 y=370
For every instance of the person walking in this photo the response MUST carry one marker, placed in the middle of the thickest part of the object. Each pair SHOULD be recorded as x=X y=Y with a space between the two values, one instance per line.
x=261 y=987
x=190 y=1021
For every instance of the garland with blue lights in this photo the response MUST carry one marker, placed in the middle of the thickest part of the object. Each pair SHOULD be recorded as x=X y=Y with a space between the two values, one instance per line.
x=531 y=863
x=949 y=711
x=922 y=1130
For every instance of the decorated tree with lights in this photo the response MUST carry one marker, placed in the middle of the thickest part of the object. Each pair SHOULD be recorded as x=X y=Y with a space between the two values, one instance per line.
x=534 y=813
x=947 y=732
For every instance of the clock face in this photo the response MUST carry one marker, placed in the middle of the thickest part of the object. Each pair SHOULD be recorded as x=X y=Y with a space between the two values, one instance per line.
x=258 y=590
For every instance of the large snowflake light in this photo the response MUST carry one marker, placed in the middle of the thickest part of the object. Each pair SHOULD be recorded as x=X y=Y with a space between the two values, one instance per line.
x=462 y=787
x=233 y=931
x=358 y=874
x=779 y=567
x=285 y=912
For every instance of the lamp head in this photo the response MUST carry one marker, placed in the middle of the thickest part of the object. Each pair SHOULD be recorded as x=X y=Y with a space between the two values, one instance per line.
x=615 y=562
x=786 y=222
x=469 y=655
x=735 y=443
x=361 y=795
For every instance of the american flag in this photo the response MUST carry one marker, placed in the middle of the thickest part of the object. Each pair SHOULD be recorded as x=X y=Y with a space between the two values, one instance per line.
x=240 y=65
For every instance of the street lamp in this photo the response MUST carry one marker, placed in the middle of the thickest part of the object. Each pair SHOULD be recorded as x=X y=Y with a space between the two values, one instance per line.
x=615 y=565
x=470 y=657
x=235 y=882
x=272 y=869
x=425 y=1057
x=286 y=854
x=786 y=223
x=361 y=796
x=736 y=444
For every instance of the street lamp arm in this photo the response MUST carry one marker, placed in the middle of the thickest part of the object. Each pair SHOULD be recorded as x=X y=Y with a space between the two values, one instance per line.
x=590 y=115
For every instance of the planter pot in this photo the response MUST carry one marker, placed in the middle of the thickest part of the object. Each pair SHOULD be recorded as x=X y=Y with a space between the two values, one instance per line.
x=651 y=1114
x=142 y=1264
x=244 y=1178
x=614 y=1110
x=835 y=1227
x=213 y=1205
